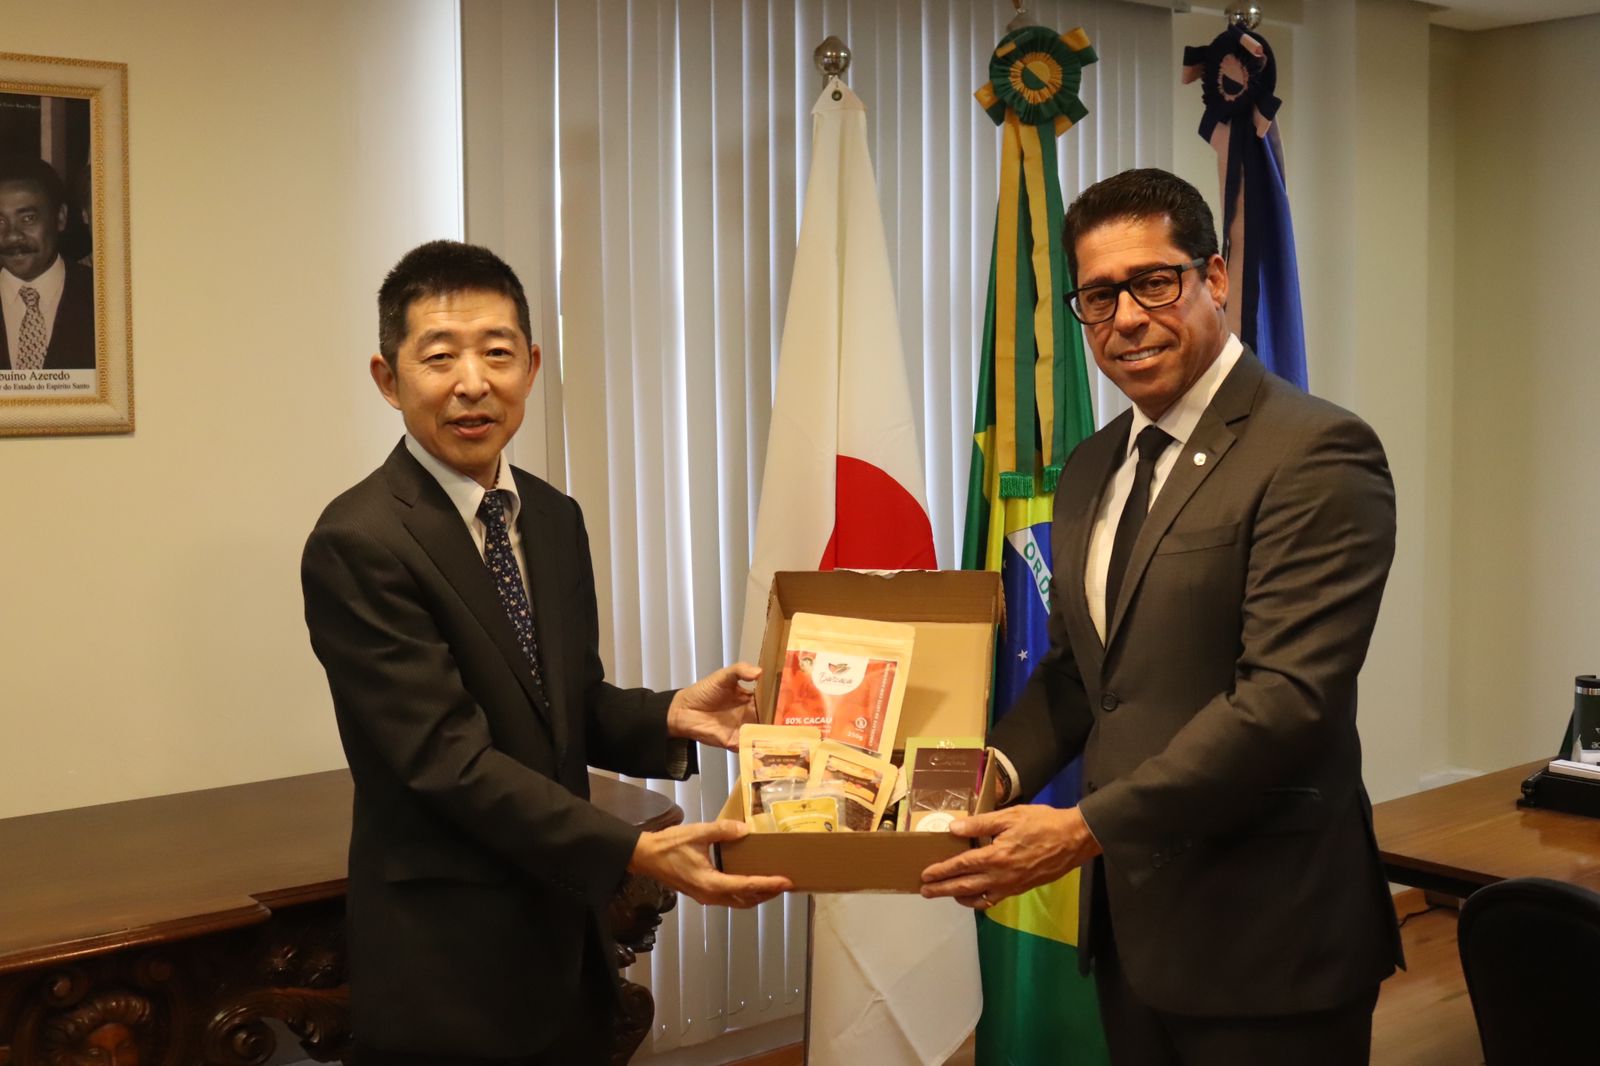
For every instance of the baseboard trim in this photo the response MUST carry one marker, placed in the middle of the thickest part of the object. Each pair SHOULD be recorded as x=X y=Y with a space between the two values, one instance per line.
x=752 y=1046
x=791 y=1055
x=1448 y=775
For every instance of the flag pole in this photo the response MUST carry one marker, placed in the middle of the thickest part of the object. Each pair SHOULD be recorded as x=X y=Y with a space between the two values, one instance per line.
x=805 y=1019
x=843 y=488
x=832 y=59
x=1247 y=15
x=1032 y=407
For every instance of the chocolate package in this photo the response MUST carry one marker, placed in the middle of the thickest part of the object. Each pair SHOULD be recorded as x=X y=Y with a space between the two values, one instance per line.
x=845 y=677
x=803 y=809
x=866 y=782
x=770 y=754
x=944 y=776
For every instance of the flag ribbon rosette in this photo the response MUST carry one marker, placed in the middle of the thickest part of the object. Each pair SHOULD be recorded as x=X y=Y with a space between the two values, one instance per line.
x=1237 y=78
x=1034 y=349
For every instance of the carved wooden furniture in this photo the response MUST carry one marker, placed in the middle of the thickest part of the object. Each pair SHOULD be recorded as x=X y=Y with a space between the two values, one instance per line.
x=166 y=931
x=1460 y=837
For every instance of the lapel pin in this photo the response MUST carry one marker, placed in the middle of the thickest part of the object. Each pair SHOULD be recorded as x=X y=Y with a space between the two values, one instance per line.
x=1199 y=458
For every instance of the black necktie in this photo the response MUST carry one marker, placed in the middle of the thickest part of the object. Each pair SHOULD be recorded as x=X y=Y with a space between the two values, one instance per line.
x=1151 y=443
x=502 y=565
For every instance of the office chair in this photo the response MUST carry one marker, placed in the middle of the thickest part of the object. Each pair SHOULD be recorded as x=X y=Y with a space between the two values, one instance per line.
x=1530 y=949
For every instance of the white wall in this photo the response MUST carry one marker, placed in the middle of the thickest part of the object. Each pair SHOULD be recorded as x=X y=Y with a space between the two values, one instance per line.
x=1381 y=251
x=1444 y=130
x=1526 y=438
x=283 y=156
x=510 y=192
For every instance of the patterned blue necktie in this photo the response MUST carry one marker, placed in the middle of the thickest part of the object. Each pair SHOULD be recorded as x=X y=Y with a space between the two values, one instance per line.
x=508 y=580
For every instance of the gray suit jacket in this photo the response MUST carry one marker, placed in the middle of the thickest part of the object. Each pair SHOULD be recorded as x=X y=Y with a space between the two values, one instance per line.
x=1222 y=768
x=479 y=874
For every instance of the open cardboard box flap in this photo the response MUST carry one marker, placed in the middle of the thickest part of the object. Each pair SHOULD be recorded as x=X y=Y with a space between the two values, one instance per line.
x=956 y=614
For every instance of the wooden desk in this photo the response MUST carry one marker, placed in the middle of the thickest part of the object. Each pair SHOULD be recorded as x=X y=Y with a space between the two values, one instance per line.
x=1460 y=837
x=165 y=931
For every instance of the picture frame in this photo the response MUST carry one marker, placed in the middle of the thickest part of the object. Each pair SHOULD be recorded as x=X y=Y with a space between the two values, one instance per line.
x=66 y=297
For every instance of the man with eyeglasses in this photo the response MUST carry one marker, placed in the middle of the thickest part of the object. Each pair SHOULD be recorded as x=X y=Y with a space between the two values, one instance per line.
x=1220 y=552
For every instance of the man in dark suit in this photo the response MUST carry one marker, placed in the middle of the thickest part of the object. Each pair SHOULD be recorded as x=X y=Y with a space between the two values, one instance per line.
x=1219 y=556
x=450 y=598
x=47 y=303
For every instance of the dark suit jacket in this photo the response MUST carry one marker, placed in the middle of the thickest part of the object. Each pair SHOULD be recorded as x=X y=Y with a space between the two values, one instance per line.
x=479 y=874
x=72 y=336
x=1222 y=768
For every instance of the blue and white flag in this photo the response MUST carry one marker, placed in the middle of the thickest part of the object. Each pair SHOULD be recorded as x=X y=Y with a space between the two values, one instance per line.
x=1237 y=75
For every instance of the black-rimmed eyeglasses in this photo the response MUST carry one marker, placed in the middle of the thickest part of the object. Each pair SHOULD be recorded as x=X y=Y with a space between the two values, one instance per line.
x=1152 y=288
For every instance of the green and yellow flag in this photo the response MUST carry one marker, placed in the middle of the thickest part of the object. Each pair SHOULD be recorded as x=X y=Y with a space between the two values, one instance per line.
x=1033 y=407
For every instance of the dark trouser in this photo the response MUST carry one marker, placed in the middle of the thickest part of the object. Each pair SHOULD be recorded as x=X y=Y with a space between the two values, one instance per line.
x=1139 y=1035
x=585 y=1039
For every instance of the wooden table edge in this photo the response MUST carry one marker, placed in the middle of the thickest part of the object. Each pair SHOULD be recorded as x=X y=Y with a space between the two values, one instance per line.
x=252 y=913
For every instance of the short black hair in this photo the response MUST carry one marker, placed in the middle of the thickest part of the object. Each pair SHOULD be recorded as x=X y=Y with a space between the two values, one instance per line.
x=442 y=268
x=34 y=171
x=1142 y=194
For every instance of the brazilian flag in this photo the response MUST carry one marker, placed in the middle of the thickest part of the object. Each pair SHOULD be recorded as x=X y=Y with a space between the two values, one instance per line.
x=1033 y=407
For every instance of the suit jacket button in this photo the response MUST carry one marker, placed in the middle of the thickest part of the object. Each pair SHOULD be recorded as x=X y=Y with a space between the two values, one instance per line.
x=1109 y=701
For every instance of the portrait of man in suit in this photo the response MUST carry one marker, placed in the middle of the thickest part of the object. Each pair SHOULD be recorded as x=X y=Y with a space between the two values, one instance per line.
x=47 y=302
x=1219 y=554
x=450 y=598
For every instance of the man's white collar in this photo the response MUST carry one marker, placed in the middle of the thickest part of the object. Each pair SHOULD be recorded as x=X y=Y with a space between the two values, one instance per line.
x=1179 y=420
x=465 y=492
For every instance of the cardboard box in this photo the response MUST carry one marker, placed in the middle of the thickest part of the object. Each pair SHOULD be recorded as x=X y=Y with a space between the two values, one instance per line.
x=956 y=614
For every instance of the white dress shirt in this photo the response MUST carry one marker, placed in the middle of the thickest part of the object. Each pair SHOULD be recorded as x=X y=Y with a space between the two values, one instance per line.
x=49 y=286
x=1178 y=422
x=467 y=495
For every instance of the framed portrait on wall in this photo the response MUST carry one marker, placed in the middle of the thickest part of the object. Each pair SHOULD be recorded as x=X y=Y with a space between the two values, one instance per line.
x=66 y=349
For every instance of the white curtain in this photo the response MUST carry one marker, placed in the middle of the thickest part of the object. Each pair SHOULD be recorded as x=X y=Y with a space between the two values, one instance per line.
x=680 y=133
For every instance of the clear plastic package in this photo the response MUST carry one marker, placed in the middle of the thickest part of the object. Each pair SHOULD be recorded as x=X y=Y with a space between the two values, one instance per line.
x=772 y=755
x=804 y=809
